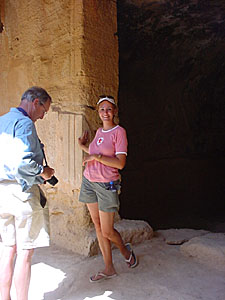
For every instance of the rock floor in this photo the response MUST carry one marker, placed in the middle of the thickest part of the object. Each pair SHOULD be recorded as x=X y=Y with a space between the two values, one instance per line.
x=164 y=273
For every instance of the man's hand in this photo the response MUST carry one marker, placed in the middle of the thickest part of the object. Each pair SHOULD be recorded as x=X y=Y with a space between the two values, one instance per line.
x=47 y=173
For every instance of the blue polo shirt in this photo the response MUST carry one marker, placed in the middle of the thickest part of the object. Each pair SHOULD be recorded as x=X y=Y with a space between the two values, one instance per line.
x=21 y=156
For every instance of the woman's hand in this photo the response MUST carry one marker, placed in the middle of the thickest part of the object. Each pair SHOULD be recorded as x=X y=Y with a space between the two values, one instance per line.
x=83 y=139
x=88 y=158
x=115 y=162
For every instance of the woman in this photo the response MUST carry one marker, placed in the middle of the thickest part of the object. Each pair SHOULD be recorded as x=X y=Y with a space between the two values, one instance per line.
x=106 y=155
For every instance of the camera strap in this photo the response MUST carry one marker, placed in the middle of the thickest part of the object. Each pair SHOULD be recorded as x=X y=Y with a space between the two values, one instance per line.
x=53 y=181
x=44 y=156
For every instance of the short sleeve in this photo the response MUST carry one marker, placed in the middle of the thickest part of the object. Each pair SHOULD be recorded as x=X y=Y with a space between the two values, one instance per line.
x=121 y=141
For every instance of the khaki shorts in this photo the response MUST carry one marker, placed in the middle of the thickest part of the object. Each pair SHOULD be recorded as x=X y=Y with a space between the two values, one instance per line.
x=92 y=192
x=23 y=222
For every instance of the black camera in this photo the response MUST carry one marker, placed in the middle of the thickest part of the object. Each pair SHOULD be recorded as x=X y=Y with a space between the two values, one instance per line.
x=53 y=180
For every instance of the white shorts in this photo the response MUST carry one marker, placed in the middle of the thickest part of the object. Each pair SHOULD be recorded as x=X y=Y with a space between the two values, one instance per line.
x=23 y=221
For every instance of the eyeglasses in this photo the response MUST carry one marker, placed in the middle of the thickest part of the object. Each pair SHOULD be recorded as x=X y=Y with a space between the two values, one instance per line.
x=42 y=104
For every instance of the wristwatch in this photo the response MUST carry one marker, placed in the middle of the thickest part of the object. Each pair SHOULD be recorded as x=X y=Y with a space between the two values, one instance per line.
x=99 y=156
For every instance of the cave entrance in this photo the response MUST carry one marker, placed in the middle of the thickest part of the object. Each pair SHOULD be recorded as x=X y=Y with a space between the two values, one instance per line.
x=171 y=102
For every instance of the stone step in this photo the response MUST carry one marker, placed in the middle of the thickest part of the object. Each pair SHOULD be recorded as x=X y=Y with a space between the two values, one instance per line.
x=132 y=231
x=208 y=249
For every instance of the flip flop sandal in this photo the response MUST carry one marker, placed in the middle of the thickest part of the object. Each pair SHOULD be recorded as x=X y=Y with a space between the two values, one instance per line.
x=101 y=276
x=128 y=261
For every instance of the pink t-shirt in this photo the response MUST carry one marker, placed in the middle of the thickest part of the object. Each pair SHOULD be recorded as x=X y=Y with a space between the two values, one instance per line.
x=110 y=143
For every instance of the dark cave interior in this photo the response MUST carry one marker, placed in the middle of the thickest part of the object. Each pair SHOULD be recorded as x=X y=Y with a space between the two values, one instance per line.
x=171 y=102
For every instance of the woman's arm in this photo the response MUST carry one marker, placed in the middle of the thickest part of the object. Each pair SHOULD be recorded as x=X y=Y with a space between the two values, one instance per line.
x=82 y=141
x=115 y=162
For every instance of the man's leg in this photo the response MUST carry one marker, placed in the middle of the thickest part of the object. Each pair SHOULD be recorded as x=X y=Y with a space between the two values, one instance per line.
x=22 y=273
x=6 y=271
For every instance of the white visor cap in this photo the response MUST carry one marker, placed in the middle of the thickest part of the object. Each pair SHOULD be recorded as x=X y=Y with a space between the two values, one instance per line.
x=111 y=100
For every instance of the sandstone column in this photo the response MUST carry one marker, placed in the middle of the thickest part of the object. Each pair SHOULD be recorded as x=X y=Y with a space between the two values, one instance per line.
x=70 y=48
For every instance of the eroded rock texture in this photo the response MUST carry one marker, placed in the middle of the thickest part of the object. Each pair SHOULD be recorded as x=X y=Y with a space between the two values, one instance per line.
x=172 y=95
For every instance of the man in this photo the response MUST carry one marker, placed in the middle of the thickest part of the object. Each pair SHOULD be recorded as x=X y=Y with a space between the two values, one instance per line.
x=24 y=223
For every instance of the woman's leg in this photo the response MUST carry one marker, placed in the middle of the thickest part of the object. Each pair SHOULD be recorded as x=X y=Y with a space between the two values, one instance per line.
x=109 y=232
x=104 y=243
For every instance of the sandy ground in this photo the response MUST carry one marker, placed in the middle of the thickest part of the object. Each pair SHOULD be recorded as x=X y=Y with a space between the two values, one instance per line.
x=163 y=273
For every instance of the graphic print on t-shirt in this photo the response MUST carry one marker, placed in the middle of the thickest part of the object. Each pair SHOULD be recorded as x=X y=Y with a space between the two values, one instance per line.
x=100 y=141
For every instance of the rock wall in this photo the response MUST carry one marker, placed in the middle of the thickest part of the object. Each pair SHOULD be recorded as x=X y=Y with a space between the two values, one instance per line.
x=70 y=48
x=172 y=74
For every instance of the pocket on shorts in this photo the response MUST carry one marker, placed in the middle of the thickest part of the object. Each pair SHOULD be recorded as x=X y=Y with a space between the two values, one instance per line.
x=27 y=195
x=116 y=184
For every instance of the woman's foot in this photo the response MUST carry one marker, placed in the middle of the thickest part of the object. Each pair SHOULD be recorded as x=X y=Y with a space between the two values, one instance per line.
x=132 y=259
x=100 y=276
